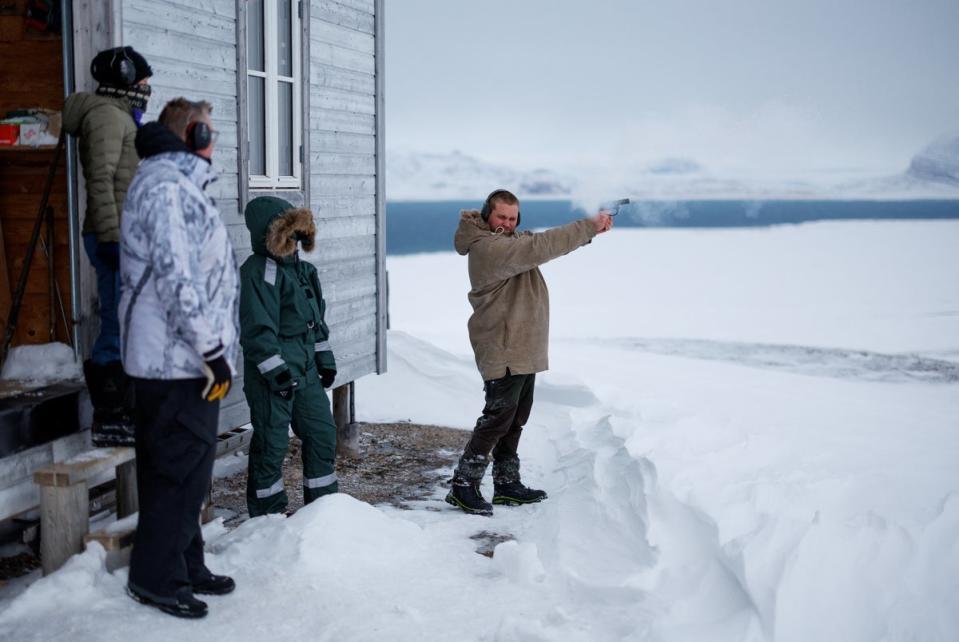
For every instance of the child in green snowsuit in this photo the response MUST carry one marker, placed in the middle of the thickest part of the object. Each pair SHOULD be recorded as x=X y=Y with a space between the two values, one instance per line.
x=286 y=354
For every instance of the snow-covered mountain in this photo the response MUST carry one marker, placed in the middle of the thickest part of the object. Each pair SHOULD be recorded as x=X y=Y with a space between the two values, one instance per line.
x=937 y=163
x=932 y=173
x=412 y=176
x=430 y=176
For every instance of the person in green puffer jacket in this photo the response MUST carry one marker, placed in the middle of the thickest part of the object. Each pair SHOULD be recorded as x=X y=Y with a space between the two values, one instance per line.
x=105 y=122
x=287 y=356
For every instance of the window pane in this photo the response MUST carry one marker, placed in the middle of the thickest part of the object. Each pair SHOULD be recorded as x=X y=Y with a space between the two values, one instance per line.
x=285 y=119
x=254 y=35
x=284 y=38
x=257 y=109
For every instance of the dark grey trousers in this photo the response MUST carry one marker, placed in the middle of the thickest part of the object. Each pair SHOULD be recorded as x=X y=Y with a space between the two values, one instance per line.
x=509 y=401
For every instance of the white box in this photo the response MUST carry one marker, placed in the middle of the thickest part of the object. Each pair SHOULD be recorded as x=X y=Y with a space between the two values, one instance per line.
x=36 y=134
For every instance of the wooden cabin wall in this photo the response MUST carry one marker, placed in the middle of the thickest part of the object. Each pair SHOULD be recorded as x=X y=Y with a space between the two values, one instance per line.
x=31 y=66
x=191 y=46
x=342 y=174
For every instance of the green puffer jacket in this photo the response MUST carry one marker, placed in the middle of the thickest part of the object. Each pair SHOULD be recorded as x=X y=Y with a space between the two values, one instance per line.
x=107 y=132
x=282 y=311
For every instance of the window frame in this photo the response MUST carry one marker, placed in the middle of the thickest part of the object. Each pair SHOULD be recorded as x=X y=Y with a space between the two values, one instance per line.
x=272 y=180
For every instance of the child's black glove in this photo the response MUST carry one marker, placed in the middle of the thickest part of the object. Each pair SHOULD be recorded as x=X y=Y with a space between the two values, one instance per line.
x=327 y=376
x=283 y=384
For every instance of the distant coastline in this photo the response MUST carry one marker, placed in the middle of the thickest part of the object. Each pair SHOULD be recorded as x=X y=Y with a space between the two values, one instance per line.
x=428 y=226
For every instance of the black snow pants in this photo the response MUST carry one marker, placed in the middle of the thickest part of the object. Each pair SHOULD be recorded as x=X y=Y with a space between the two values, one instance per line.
x=175 y=447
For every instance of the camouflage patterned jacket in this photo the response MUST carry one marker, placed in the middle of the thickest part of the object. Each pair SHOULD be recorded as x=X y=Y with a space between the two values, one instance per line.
x=180 y=283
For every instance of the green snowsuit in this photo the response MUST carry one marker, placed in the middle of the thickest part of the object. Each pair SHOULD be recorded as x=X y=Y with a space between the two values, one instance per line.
x=285 y=342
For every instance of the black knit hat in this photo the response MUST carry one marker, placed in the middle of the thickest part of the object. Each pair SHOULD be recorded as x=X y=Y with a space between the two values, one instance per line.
x=120 y=67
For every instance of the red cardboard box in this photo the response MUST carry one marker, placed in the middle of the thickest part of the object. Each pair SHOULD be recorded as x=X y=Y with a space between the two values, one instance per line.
x=9 y=134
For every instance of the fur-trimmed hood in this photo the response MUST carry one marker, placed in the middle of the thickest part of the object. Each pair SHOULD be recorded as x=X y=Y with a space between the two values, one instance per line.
x=276 y=226
x=288 y=228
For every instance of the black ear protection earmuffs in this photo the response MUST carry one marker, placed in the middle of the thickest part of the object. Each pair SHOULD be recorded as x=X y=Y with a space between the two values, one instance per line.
x=488 y=206
x=123 y=68
x=198 y=135
x=117 y=69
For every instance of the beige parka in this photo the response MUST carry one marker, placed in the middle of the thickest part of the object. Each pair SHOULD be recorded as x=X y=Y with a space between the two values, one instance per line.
x=509 y=328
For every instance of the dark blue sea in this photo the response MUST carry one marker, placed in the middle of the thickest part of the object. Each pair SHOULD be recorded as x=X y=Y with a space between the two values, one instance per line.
x=428 y=226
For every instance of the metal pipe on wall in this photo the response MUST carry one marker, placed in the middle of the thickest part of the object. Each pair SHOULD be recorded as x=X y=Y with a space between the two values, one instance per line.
x=69 y=82
x=379 y=62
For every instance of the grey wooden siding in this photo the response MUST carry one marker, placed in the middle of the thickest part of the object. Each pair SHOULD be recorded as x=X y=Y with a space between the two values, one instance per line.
x=191 y=45
x=343 y=180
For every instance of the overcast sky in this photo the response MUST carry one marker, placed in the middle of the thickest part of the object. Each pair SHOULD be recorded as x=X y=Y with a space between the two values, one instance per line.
x=781 y=87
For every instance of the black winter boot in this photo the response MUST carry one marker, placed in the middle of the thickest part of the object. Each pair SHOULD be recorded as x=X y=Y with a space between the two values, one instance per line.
x=515 y=494
x=111 y=393
x=214 y=585
x=469 y=499
x=465 y=493
x=508 y=490
x=185 y=605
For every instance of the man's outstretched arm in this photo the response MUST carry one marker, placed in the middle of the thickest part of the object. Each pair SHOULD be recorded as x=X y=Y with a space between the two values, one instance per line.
x=512 y=255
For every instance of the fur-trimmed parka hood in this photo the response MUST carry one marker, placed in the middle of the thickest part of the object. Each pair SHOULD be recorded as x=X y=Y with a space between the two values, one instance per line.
x=276 y=225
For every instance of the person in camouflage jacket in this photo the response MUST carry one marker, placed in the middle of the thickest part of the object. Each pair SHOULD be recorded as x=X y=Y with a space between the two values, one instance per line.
x=179 y=319
x=286 y=354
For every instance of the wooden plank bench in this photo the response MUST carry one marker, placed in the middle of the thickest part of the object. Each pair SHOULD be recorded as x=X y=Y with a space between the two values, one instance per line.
x=233 y=440
x=117 y=540
x=65 y=500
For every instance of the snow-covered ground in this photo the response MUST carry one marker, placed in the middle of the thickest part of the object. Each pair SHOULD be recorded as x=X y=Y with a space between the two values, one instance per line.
x=745 y=434
x=37 y=365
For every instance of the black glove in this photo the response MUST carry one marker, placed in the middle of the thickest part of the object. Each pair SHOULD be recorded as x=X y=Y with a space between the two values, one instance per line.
x=218 y=378
x=108 y=253
x=284 y=384
x=327 y=376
